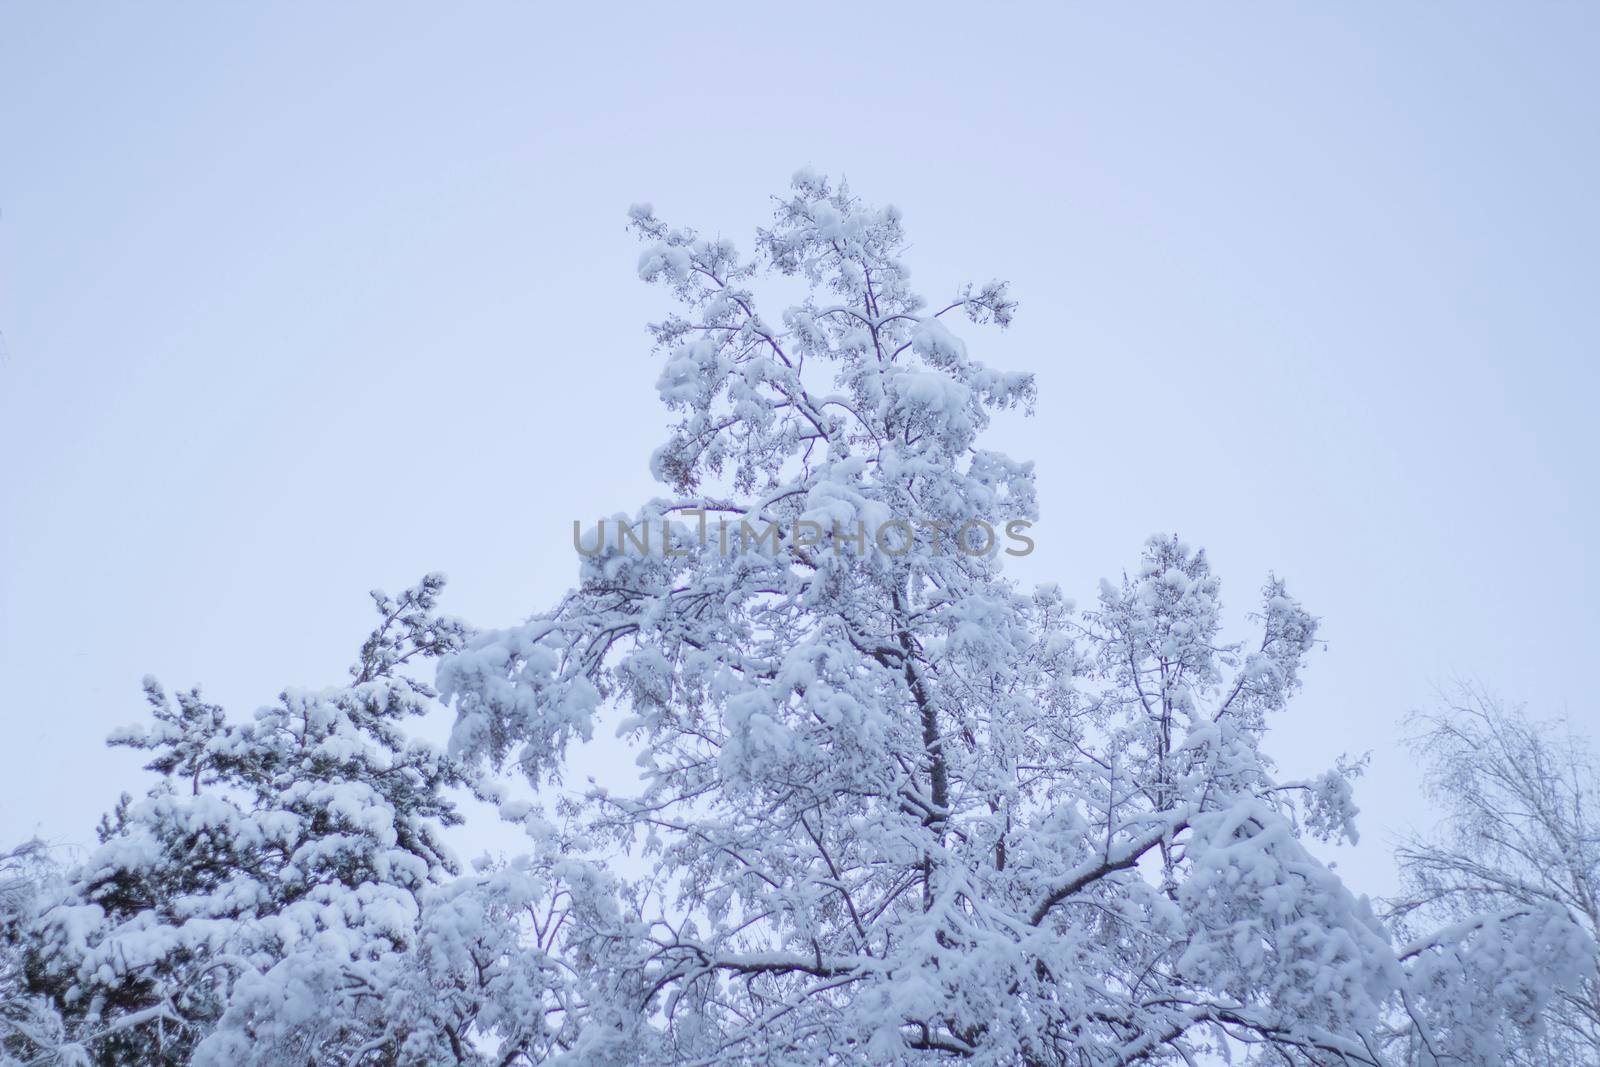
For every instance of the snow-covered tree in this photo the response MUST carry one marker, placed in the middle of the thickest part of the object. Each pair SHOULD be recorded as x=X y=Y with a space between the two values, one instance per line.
x=1512 y=870
x=30 y=880
x=893 y=809
x=282 y=895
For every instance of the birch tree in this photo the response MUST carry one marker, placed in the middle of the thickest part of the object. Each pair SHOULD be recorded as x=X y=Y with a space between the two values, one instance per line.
x=897 y=809
x=1517 y=846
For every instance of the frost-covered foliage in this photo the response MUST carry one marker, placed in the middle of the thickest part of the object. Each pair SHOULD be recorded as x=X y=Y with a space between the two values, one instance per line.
x=891 y=808
x=29 y=881
x=283 y=894
x=896 y=810
x=1513 y=879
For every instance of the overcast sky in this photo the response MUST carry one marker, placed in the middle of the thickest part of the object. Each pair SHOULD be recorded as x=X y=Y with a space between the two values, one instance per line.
x=297 y=300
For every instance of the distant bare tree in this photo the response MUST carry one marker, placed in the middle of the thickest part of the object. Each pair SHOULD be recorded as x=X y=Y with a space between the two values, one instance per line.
x=1520 y=833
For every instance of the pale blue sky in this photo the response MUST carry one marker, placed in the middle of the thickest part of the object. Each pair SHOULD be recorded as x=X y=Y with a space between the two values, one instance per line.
x=301 y=299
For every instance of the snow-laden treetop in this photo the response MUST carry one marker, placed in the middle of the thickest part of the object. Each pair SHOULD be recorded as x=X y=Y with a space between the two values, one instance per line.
x=899 y=810
x=890 y=809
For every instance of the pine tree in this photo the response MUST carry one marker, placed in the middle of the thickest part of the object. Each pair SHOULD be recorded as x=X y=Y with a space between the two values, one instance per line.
x=313 y=829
